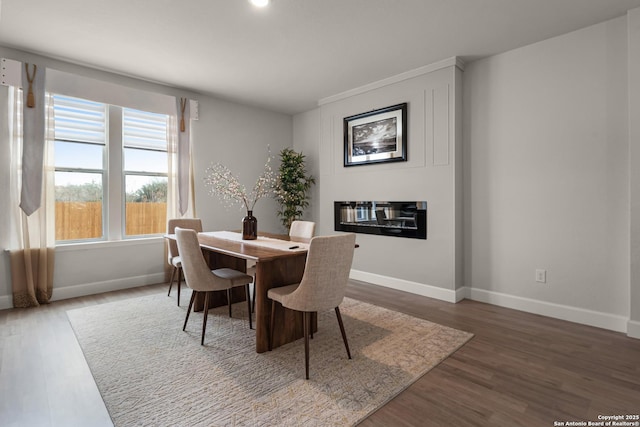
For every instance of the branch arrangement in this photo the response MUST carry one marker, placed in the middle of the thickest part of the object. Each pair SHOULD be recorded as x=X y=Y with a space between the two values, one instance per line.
x=226 y=186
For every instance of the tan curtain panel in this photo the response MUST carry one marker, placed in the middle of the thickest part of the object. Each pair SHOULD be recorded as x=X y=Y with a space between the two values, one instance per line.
x=33 y=242
x=184 y=155
x=32 y=276
x=180 y=188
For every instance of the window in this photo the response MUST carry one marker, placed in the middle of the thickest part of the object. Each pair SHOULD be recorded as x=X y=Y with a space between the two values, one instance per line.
x=110 y=171
x=80 y=148
x=145 y=172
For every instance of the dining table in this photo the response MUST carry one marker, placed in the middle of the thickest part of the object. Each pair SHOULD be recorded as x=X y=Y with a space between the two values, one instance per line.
x=278 y=261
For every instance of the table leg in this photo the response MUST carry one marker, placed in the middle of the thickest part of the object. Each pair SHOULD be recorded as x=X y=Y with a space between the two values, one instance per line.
x=289 y=324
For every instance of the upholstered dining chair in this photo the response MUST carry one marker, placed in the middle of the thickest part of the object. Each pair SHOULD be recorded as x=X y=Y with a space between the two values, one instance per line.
x=200 y=278
x=300 y=231
x=323 y=285
x=173 y=256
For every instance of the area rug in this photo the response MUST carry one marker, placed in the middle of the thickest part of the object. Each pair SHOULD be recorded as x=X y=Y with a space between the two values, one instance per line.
x=151 y=373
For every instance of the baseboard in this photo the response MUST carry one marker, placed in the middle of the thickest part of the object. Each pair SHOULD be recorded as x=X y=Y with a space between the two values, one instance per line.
x=633 y=329
x=6 y=301
x=84 y=289
x=408 y=286
x=74 y=291
x=557 y=311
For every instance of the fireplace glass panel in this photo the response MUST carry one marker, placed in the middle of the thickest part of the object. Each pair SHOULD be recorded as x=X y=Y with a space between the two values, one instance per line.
x=400 y=219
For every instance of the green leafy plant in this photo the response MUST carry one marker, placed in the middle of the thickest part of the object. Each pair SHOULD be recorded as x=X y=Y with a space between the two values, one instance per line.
x=292 y=186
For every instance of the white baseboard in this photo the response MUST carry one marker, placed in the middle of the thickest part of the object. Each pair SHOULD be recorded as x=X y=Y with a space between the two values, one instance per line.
x=408 y=286
x=73 y=291
x=633 y=329
x=543 y=308
x=557 y=311
x=84 y=289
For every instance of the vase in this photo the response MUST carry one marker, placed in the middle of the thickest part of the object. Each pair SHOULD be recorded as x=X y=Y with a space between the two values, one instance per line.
x=249 y=227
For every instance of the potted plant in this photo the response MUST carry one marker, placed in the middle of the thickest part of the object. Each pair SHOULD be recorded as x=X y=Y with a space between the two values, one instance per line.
x=292 y=186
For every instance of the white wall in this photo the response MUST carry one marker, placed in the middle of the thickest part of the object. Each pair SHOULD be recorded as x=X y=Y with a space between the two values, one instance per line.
x=428 y=267
x=238 y=137
x=306 y=140
x=547 y=176
x=232 y=134
x=633 y=22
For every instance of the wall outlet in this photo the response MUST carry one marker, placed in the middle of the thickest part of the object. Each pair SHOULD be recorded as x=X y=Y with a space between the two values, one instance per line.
x=541 y=276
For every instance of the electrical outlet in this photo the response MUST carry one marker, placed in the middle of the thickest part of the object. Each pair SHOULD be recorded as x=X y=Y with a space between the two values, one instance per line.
x=541 y=276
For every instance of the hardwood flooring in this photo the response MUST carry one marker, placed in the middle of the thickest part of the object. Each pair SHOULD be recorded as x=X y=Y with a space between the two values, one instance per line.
x=519 y=369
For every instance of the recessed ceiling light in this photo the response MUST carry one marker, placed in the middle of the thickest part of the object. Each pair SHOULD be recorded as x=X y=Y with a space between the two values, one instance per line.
x=259 y=3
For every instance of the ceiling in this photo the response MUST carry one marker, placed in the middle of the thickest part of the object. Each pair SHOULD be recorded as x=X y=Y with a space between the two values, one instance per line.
x=291 y=54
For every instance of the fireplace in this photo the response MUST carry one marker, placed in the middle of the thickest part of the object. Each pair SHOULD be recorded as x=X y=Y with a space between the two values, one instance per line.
x=398 y=219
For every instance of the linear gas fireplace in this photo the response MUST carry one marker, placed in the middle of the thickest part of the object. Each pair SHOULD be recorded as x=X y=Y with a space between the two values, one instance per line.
x=400 y=219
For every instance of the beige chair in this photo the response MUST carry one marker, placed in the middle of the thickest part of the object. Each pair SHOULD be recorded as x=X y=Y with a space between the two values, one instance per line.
x=200 y=278
x=173 y=255
x=300 y=231
x=323 y=285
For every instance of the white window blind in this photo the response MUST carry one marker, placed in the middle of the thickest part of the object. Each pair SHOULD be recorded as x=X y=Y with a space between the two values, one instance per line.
x=144 y=130
x=79 y=120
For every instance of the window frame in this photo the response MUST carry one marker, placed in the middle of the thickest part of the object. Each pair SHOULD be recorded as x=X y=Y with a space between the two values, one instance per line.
x=103 y=172
x=125 y=172
x=114 y=175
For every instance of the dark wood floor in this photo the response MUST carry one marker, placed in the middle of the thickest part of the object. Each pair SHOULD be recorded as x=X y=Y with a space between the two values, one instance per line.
x=519 y=369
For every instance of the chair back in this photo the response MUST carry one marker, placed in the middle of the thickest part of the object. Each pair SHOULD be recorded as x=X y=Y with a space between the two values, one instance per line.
x=302 y=231
x=197 y=273
x=192 y=223
x=326 y=273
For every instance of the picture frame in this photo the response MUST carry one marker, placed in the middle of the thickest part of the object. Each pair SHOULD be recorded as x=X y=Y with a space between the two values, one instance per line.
x=377 y=136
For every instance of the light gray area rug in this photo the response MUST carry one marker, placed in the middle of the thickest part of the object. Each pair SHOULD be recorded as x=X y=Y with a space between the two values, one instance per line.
x=151 y=373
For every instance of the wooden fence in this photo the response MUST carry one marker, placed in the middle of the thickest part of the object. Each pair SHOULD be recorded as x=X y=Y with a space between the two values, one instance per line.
x=83 y=220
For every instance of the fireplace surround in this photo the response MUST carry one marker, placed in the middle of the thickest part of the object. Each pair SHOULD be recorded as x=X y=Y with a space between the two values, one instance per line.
x=398 y=219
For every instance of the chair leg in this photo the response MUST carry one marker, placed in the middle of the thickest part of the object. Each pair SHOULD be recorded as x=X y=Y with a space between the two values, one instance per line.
x=206 y=312
x=179 y=283
x=313 y=316
x=246 y=290
x=307 y=321
x=173 y=273
x=193 y=297
x=229 y=300
x=273 y=324
x=344 y=335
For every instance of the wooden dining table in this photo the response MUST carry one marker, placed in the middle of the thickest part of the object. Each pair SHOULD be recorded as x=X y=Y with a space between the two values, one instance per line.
x=274 y=267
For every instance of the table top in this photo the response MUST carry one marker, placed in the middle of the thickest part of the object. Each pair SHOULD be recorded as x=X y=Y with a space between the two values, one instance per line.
x=247 y=250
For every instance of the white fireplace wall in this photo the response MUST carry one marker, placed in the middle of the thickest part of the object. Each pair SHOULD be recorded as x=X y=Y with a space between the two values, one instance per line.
x=432 y=173
x=550 y=161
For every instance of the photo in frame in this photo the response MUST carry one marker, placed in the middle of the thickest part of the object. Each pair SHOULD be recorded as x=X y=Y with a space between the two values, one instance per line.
x=376 y=136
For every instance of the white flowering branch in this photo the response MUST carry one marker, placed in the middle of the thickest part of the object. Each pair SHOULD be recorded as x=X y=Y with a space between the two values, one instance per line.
x=225 y=185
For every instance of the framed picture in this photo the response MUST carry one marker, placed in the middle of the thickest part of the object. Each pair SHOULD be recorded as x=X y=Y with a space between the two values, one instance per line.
x=376 y=136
